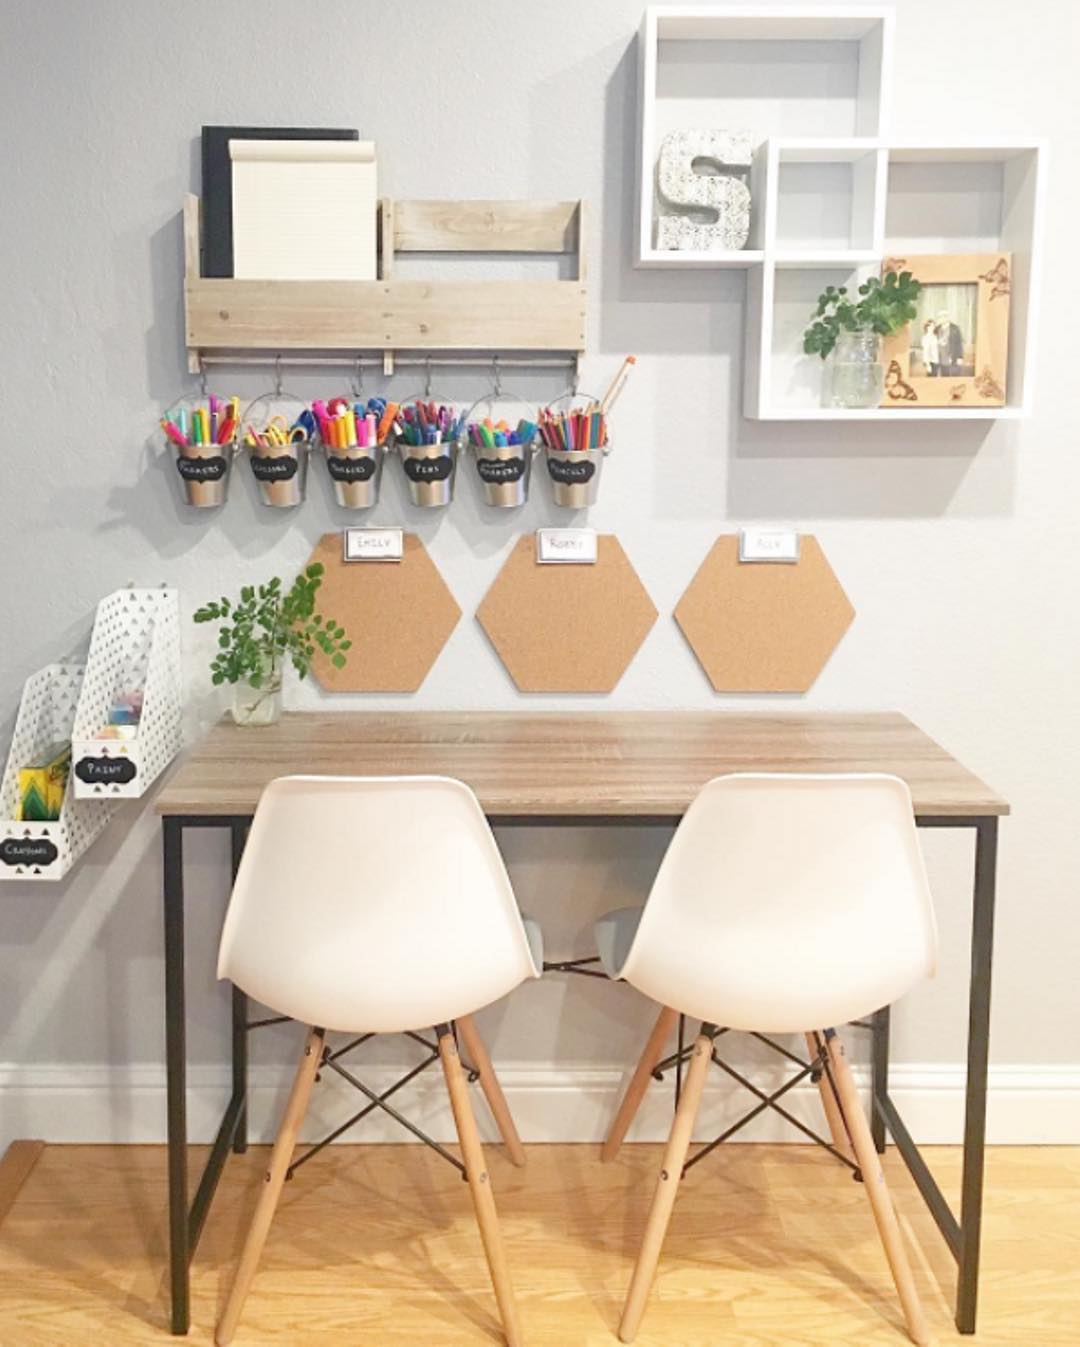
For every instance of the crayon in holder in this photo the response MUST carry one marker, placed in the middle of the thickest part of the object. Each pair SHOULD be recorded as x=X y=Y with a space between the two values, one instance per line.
x=278 y=430
x=575 y=471
x=354 y=437
x=201 y=434
x=429 y=464
x=504 y=468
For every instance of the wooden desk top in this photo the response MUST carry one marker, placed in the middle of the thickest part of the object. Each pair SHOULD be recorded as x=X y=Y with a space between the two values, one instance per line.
x=635 y=764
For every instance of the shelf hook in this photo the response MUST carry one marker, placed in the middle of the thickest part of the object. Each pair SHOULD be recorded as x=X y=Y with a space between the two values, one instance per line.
x=496 y=377
x=277 y=376
x=358 y=379
x=427 y=377
x=202 y=376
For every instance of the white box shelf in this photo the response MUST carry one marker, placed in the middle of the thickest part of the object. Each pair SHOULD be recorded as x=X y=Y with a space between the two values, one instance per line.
x=833 y=196
x=774 y=70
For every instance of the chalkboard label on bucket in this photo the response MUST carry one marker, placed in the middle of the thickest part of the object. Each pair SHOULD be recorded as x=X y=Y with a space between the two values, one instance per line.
x=429 y=469
x=570 y=474
x=499 y=471
x=279 y=468
x=350 y=469
x=202 y=469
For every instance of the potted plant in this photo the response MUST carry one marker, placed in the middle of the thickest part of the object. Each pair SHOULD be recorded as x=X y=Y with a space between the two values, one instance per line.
x=262 y=631
x=853 y=328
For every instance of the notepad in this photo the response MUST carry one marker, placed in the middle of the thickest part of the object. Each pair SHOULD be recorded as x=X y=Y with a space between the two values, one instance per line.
x=303 y=209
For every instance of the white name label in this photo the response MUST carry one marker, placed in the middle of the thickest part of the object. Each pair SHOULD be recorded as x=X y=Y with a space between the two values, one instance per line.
x=768 y=545
x=374 y=544
x=563 y=546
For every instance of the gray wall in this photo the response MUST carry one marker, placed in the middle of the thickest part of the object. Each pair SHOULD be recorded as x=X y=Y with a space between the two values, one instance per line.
x=957 y=545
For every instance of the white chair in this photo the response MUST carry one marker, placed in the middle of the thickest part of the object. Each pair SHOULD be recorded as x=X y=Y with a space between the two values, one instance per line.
x=377 y=905
x=784 y=904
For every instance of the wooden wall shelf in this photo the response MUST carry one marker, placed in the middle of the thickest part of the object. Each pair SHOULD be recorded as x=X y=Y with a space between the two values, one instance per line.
x=392 y=314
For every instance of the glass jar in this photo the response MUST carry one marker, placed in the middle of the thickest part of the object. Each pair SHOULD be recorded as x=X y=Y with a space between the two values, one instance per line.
x=854 y=375
x=258 y=705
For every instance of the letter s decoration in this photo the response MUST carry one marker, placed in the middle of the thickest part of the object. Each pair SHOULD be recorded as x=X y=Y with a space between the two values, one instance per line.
x=699 y=209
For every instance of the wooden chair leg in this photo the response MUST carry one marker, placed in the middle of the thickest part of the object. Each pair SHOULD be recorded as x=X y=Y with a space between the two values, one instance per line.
x=489 y=1083
x=479 y=1184
x=667 y=1186
x=876 y=1190
x=280 y=1159
x=639 y=1083
x=837 y=1130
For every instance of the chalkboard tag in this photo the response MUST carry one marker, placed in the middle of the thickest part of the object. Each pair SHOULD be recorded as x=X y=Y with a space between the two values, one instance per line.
x=28 y=851
x=278 y=468
x=769 y=545
x=374 y=544
x=566 y=547
x=501 y=471
x=105 y=771
x=570 y=474
x=428 y=469
x=202 y=469
x=350 y=469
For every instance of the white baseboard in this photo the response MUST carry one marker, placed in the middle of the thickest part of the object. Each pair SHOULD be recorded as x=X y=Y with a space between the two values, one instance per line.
x=1028 y=1105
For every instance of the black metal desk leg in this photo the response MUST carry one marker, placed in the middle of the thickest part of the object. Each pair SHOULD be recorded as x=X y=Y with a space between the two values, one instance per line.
x=982 y=952
x=880 y=1078
x=238 y=836
x=176 y=1071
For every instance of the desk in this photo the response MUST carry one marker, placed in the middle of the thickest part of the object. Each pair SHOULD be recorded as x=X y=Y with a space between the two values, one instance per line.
x=561 y=769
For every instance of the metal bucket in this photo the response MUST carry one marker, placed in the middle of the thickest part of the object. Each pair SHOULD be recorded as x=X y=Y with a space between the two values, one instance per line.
x=575 y=475
x=280 y=470
x=356 y=473
x=504 y=471
x=204 y=471
x=430 y=470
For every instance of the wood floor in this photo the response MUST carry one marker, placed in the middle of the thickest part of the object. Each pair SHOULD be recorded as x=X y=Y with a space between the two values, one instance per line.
x=376 y=1246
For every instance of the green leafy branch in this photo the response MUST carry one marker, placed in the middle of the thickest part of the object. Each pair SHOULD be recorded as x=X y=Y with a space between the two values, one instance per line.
x=885 y=307
x=268 y=625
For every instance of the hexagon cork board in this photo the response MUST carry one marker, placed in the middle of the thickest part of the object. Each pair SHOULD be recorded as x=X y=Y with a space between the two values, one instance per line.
x=763 y=626
x=398 y=615
x=567 y=628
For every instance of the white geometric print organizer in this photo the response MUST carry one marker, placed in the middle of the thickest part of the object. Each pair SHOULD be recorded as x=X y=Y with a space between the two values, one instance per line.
x=134 y=630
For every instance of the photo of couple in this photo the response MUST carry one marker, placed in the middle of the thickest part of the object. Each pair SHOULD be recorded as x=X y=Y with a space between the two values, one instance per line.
x=943 y=334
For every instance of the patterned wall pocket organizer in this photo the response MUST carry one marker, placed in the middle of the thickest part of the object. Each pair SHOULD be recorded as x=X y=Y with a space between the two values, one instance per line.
x=133 y=670
x=46 y=851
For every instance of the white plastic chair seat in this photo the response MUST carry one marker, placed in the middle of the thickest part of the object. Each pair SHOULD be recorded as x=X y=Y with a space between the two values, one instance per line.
x=784 y=903
x=614 y=933
x=374 y=905
x=535 y=936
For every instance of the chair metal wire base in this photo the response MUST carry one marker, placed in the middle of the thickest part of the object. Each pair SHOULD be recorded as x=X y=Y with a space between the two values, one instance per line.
x=332 y=1060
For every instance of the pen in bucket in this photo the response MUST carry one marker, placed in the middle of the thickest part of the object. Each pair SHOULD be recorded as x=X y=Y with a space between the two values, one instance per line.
x=197 y=434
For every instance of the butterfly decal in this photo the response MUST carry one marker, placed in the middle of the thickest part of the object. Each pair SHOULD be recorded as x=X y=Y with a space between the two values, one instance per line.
x=895 y=385
x=998 y=278
x=958 y=393
x=896 y=264
x=988 y=387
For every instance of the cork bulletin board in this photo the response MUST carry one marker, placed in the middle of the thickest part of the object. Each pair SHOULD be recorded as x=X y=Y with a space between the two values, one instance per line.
x=398 y=615
x=567 y=628
x=764 y=626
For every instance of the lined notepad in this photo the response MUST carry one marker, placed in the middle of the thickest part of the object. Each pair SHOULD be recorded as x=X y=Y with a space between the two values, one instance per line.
x=303 y=209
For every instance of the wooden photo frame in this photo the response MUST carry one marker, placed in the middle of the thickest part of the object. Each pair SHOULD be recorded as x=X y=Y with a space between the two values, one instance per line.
x=963 y=321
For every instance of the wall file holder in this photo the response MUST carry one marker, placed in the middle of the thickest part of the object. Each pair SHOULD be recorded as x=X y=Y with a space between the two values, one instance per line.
x=136 y=642
x=567 y=628
x=46 y=851
x=763 y=626
x=398 y=614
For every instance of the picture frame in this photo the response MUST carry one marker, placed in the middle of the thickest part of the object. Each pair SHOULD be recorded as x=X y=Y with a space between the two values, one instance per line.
x=955 y=353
